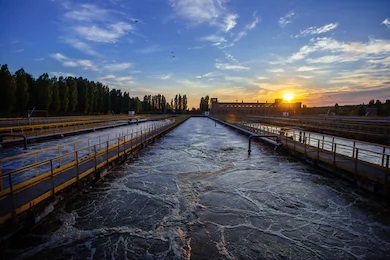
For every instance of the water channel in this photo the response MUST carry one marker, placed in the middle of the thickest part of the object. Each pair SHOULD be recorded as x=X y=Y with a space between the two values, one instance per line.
x=196 y=193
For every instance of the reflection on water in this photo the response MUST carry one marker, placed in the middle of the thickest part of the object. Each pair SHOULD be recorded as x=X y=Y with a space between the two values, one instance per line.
x=196 y=193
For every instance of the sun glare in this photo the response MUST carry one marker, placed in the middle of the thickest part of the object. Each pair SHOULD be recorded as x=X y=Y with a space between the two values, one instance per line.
x=288 y=97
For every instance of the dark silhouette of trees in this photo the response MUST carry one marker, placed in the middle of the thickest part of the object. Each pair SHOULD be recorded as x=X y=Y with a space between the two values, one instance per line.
x=21 y=90
x=7 y=90
x=69 y=95
x=72 y=94
x=204 y=104
x=44 y=90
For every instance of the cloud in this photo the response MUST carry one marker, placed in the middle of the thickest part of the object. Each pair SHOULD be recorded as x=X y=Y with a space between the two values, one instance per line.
x=247 y=28
x=214 y=38
x=386 y=22
x=287 y=19
x=230 y=22
x=109 y=35
x=305 y=68
x=19 y=50
x=161 y=76
x=118 y=66
x=278 y=70
x=317 y=30
x=119 y=82
x=62 y=74
x=87 y=13
x=82 y=46
x=227 y=66
x=67 y=62
x=199 y=11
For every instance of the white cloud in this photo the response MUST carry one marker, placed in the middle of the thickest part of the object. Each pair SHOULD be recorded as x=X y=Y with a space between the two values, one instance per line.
x=318 y=30
x=63 y=74
x=109 y=35
x=198 y=11
x=87 y=13
x=247 y=28
x=227 y=66
x=287 y=19
x=386 y=22
x=278 y=70
x=306 y=68
x=67 y=62
x=161 y=76
x=262 y=78
x=118 y=66
x=230 y=22
x=82 y=46
x=19 y=50
x=214 y=38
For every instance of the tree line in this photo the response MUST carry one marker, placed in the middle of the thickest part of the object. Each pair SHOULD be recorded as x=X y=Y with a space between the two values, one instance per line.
x=70 y=95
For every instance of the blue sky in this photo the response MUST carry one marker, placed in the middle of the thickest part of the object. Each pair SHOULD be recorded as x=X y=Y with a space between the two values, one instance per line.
x=324 y=52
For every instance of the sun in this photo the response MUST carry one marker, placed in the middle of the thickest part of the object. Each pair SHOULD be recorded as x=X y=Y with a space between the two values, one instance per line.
x=288 y=97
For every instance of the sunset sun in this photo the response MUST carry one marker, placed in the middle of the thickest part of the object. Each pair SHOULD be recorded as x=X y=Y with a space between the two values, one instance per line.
x=288 y=97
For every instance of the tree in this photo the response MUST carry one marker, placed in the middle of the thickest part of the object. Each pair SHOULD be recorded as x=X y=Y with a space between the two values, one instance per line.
x=72 y=94
x=64 y=94
x=7 y=90
x=44 y=88
x=184 y=102
x=56 y=102
x=22 y=87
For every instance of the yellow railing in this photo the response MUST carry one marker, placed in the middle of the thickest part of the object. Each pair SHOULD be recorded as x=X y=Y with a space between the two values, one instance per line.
x=65 y=169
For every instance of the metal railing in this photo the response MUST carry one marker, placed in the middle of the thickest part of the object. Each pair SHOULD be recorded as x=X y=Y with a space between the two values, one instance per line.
x=354 y=149
x=43 y=179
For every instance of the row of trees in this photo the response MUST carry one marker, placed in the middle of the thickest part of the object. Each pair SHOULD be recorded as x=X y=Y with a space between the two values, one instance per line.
x=70 y=95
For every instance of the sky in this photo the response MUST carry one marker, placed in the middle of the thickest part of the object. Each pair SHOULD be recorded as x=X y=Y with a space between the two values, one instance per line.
x=322 y=52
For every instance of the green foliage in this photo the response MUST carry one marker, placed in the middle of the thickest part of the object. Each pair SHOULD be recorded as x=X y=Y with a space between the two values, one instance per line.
x=72 y=94
x=22 y=93
x=44 y=88
x=204 y=104
x=7 y=90
x=56 y=102
x=75 y=95
x=64 y=94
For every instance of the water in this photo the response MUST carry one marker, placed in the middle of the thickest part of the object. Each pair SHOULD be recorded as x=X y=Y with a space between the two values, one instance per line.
x=197 y=194
x=40 y=152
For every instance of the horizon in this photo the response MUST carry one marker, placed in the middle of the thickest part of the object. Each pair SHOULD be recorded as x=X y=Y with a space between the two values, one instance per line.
x=321 y=53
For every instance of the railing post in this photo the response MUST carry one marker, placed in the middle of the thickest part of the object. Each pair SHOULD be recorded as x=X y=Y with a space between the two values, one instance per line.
x=334 y=155
x=118 y=145
x=77 y=166
x=323 y=141
x=356 y=159
x=318 y=151
x=52 y=178
x=332 y=143
x=387 y=173
x=353 y=149
x=35 y=161
x=11 y=186
x=383 y=155
x=107 y=153
x=95 y=162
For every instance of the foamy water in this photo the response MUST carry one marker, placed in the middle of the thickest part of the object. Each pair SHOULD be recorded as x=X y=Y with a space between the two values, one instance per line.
x=197 y=194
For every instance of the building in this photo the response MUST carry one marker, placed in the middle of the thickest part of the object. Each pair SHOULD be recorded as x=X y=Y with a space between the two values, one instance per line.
x=260 y=109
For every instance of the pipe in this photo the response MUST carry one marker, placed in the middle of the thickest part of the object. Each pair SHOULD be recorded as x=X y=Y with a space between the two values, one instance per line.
x=15 y=135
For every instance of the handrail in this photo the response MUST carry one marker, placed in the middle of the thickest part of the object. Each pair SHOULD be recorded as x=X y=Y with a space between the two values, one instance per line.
x=261 y=136
x=16 y=135
x=378 y=158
